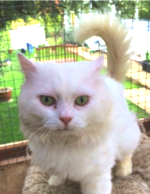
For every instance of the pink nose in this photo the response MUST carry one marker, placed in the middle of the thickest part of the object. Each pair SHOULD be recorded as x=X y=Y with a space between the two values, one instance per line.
x=65 y=120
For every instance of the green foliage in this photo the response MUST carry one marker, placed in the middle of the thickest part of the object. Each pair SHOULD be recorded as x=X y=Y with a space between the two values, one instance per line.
x=147 y=56
x=11 y=10
x=52 y=12
x=101 y=5
x=53 y=28
x=144 y=10
x=55 y=41
x=125 y=9
x=85 y=6
x=4 y=44
x=144 y=14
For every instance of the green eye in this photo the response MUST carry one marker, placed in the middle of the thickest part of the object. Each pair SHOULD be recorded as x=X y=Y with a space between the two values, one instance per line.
x=46 y=100
x=81 y=100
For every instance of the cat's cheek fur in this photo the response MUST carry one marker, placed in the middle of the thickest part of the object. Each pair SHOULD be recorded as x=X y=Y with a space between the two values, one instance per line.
x=35 y=116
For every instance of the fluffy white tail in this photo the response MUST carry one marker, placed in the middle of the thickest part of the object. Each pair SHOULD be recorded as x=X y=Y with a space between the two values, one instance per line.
x=114 y=34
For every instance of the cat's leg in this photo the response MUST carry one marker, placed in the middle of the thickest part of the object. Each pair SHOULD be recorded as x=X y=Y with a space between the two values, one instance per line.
x=97 y=184
x=55 y=181
x=127 y=143
x=124 y=167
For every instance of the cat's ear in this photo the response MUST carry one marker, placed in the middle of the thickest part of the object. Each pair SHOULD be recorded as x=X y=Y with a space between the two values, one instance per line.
x=98 y=63
x=26 y=65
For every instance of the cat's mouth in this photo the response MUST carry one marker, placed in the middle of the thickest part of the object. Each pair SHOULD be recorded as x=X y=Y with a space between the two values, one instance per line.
x=65 y=129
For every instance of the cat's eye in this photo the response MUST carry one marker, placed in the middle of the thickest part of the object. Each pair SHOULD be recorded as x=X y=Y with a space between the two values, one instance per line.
x=82 y=100
x=47 y=100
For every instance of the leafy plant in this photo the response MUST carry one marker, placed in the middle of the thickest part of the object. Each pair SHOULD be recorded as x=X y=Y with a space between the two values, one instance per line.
x=147 y=56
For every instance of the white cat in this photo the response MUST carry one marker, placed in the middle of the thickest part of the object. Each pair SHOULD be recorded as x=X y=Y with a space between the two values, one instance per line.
x=77 y=121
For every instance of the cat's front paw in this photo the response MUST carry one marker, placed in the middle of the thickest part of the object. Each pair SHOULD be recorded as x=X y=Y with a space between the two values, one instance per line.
x=124 y=168
x=55 y=181
x=123 y=171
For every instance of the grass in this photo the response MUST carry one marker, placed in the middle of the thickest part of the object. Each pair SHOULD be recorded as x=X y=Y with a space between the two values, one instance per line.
x=129 y=85
x=9 y=121
x=140 y=113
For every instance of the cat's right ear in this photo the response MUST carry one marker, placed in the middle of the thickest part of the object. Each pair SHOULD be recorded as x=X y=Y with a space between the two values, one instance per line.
x=98 y=63
x=27 y=66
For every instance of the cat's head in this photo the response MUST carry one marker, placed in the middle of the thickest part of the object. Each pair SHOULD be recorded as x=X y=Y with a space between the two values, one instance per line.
x=62 y=98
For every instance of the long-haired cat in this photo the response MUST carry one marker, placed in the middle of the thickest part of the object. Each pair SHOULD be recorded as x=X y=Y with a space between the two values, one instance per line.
x=77 y=121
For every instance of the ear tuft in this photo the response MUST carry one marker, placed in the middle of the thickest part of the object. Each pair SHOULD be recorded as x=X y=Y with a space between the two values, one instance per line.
x=26 y=64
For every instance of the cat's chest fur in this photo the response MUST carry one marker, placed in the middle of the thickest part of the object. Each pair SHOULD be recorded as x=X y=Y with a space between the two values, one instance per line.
x=74 y=163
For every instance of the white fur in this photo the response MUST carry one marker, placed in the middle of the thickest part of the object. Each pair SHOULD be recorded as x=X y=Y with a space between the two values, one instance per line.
x=99 y=133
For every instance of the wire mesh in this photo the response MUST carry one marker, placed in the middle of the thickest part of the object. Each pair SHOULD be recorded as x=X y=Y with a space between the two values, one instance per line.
x=55 y=19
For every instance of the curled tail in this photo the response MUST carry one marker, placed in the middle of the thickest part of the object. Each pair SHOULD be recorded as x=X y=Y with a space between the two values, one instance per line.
x=114 y=34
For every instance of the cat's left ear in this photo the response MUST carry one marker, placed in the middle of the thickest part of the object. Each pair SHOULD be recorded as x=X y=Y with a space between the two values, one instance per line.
x=26 y=65
x=98 y=63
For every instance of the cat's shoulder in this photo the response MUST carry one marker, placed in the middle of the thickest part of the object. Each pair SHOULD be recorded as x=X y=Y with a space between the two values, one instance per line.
x=112 y=84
